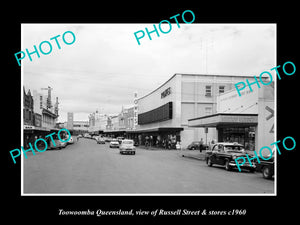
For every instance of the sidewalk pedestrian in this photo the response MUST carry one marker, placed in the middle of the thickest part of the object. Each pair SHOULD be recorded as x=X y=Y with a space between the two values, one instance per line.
x=201 y=145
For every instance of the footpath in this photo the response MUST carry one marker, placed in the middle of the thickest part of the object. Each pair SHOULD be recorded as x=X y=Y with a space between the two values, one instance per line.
x=196 y=154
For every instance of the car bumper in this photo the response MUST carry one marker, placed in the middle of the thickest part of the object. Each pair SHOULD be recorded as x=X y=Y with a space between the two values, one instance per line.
x=127 y=150
x=246 y=165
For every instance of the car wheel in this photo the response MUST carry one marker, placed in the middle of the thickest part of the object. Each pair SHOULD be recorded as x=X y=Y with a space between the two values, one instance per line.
x=208 y=162
x=227 y=166
x=193 y=148
x=133 y=153
x=266 y=172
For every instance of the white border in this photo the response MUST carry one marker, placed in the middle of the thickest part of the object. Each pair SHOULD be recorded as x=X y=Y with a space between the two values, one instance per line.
x=159 y=194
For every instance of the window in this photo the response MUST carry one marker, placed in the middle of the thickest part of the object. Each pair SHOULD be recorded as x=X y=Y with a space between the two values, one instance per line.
x=208 y=111
x=208 y=91
x=221 y=89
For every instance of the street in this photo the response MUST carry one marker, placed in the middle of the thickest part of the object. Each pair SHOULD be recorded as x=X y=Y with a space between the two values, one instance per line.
x=86 y=167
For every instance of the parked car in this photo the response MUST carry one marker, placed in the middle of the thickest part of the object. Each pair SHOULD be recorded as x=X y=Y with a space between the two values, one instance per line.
x=196 y=145
x=70 y=141
x=64 y=144
x=56 y=145
x=108 y=139
x=266 y=166
x=120 y=139
x=127 y=146
x=114 y=143
x=86 y=135
x=100 y=140
x=225 y=153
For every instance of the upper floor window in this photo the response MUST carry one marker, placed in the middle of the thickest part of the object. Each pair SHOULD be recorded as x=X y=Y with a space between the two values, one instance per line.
x=208 y=91
x=221 y=89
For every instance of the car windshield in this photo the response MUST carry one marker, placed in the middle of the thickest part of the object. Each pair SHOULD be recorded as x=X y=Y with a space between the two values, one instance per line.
x=233 y=148
x=127 y=142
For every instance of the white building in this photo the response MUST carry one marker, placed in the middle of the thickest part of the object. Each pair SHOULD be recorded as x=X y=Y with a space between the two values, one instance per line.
x=247 y=119
x=165 y=112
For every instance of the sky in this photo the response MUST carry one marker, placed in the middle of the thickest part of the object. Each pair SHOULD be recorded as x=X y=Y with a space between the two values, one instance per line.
x=105 y=65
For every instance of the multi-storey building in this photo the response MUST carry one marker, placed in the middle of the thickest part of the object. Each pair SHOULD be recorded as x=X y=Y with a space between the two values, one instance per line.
x=164 y=112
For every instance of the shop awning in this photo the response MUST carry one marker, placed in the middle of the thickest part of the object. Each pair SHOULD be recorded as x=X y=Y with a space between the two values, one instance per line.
x=113 y=131
x=224 y=119
x=157 y=129
x=34 y=128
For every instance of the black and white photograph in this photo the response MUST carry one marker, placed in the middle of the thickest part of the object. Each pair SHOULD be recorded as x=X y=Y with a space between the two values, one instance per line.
x=177 y=113
x=135 y=114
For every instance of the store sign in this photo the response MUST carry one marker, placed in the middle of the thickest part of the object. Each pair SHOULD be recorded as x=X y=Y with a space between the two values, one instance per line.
x=28 y=127
x=223 y=119
x=166 y=92
x=161 y=113
x=135 y=110
x=238 y=119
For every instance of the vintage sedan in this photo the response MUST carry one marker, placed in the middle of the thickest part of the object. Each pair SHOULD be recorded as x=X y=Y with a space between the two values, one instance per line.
x=114 y=143
x=225 y=153
x=100 y=140
x=266 y=166
x=127 y=146
x=197 y=145
x=55 y=144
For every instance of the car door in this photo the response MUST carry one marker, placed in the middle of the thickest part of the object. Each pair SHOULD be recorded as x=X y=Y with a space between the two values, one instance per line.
x=217 y=154
x=214 y=154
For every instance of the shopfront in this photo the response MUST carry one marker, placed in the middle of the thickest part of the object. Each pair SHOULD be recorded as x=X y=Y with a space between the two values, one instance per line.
x=31 y=133
x=242 y=135
x=246 y=119
x=240 y=128
x=163 y=137
x=184 y=97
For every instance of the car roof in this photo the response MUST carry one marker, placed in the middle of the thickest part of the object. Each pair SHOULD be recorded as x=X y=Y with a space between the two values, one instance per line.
x=229 y=143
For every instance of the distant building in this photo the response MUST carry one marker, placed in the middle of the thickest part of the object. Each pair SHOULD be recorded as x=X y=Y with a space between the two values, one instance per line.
x=38 y=118
x=97 y=122
x=48 y=116
x=81 y=126
x=28 y=113
x=126 y=118
x=78 y=127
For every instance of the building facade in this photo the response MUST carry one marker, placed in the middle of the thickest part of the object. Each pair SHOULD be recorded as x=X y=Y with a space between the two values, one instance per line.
x=163 y=114
x=39 y=116
x=97 y=122
x=28 y=113
x=247 y=119
x=78 y=127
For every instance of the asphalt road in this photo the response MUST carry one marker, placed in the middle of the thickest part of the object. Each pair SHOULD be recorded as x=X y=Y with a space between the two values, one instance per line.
x=90 y=168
